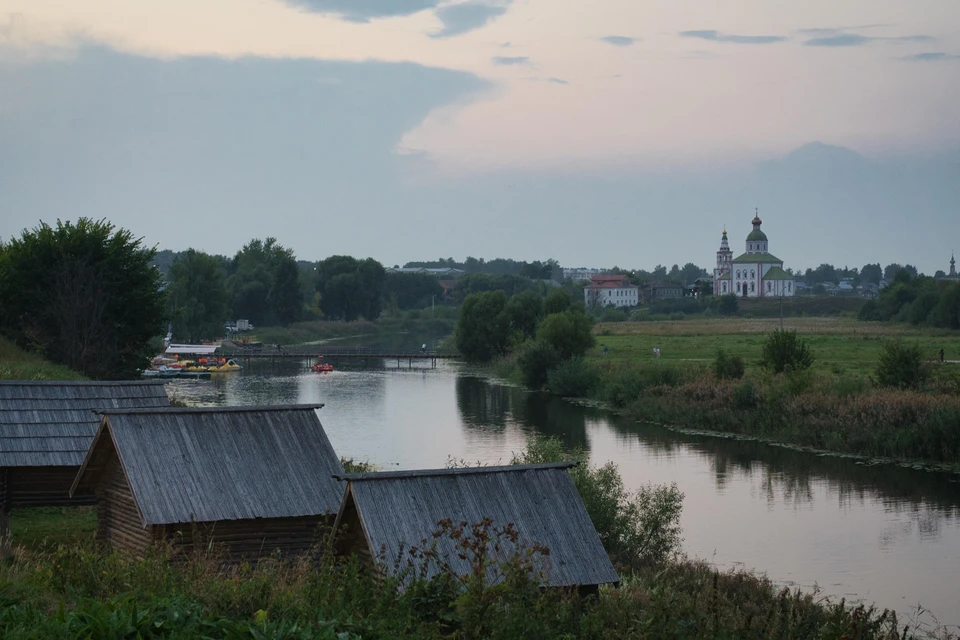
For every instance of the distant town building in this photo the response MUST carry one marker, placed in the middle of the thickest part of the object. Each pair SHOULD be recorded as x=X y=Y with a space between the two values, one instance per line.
x=442 y=272
x=580 y=274
x=655 y=291
x=611 y=291
x=952 y=275
x=757 y=273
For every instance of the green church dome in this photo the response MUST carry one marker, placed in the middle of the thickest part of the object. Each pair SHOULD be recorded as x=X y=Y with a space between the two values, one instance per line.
x=756 y=234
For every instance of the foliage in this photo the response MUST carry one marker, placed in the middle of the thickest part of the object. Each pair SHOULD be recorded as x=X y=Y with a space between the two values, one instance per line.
x=411 y=290
x=197 y=297
x=572 y=378
x=83 y=295
x=535 y=358
x=557 y=301
x=17 y=364
x=636 y=530
x=569 y=332
x=477 y=283
x=264 y=284
x=350 y=289
x=783 y=350
x=726 y=366
x=901 y=365
x=523 y=312
x=918 y=300
x=483 y=328
x=728 y=305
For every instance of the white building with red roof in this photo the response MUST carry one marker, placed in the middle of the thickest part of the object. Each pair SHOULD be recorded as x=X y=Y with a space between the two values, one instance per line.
x=611 y=291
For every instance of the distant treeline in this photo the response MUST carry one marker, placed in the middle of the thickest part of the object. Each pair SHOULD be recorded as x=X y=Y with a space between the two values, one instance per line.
x=536 y=270
x=918 y=300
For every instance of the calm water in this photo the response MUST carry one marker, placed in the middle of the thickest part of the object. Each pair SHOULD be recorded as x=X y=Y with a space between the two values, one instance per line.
x=881 y=534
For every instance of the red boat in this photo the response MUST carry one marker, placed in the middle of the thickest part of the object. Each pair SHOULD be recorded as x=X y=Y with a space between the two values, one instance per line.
x=321 y=367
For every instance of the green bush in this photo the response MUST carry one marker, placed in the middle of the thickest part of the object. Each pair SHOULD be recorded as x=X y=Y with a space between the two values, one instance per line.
x=901 y=365
x=727 y=367
x=534 y=359
x=572 y=378
x=636 y=530
x=746 y=396
x=783 y=350
x=569 y=332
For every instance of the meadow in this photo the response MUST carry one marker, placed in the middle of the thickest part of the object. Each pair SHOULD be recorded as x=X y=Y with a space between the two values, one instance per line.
x=841 y=345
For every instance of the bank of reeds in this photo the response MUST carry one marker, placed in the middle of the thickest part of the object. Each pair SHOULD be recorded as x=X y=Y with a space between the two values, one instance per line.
x=840 y=413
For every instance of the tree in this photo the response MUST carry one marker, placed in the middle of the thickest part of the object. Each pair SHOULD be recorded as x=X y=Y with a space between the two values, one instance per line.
x=197 y=298
x=871 y=273
x=558 y=300
x=535 y=360
x=264 y=282
x=411 y=290
x=569 y=332
x=350 y=288
x=728 y=305
x=483 y=329
x=783 y=351
x=83 y=295
x=524 y=312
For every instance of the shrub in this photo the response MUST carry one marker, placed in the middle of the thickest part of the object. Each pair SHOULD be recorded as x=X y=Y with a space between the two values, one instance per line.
x=746 y=396
x=572 y=379
x=901 y=365
x=727 y=367
x=636 y=530
x=569 y=332
x=783 y=350
x=534 y=359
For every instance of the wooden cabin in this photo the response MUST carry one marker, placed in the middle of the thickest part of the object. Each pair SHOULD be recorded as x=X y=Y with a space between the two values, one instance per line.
x=251 y=481
x=45 y=431
x=384 y=514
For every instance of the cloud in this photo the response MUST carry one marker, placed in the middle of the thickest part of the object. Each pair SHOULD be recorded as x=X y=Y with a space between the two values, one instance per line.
x=364 y=10
x=832 y=31
x=858 y=40
x=619 y=41
x=716 y=36
x=466 y=16
x=508 y=61
x=932 y=56
x=557 y=81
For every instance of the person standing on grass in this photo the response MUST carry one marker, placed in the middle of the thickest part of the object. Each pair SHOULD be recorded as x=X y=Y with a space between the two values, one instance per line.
x=941 y=355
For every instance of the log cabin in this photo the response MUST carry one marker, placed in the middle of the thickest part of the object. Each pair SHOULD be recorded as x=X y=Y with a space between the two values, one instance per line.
x=384 y=514
x=249 y=481
x=46 y=428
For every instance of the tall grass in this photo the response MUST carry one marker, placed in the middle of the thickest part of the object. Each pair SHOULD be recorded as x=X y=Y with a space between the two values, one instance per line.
x=17 y=364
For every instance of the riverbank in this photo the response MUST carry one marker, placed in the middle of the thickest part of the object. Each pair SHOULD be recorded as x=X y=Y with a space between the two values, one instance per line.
x=66 y=587
x=836 y=406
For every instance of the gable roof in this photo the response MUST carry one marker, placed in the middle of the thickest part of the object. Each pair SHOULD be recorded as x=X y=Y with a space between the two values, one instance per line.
x=776 y=273
x=402 y=508
x=51 y=423
x=210 y=464
x=757 y=258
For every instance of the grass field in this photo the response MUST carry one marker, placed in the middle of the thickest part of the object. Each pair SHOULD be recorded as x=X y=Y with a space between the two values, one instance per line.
x=34 y=527
x=841 y=345
x=17 y=364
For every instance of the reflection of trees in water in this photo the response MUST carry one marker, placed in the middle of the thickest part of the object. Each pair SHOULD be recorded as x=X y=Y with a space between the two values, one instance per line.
x=791 y=476
x=484 y=405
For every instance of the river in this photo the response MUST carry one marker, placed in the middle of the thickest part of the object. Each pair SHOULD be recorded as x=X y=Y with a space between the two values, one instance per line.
x=882 y=534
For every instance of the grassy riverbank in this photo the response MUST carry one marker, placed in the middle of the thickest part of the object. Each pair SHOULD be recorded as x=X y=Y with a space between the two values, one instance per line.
x=17 y=364
x=835 y=406
x=68 y=588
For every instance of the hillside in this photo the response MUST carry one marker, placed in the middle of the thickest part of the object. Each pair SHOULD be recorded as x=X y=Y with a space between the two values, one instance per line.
x=17 y=364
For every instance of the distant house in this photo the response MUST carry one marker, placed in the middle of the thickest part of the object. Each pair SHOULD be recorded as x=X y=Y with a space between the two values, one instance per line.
x=384 y=514
x=439 y=272
x=581 y=274
x=253 y=480
x=46 y=429
x=611 y=291
x=663 y=291
x=868 y=290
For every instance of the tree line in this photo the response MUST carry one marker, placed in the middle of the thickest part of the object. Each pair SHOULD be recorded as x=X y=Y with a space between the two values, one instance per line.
x=919 y=300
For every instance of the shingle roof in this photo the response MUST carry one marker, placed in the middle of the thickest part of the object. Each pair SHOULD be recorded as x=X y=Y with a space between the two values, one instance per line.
x=403 y=508
x=214 y=464
x=51 y=423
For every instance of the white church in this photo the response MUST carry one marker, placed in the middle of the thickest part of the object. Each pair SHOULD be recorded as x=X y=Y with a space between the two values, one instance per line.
x=754 y=274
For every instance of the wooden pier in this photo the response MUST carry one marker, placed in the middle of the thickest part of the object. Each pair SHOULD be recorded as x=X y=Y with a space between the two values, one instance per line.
x=332 y=354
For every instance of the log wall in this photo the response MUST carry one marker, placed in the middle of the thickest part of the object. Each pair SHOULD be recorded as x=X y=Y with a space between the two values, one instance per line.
x=350 y=538
x=118 y=520
x=42 y=487
x=247 y=540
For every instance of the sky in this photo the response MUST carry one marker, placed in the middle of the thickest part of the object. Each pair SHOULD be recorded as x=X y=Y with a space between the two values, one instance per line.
x=614 y=132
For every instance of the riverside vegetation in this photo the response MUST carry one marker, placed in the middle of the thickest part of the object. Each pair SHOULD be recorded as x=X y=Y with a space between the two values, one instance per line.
x=65 y=587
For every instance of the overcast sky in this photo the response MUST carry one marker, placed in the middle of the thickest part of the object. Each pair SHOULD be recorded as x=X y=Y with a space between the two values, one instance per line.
x=623 y=132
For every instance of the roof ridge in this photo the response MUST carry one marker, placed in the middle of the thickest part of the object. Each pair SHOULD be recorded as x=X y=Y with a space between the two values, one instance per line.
x=79 y=383
x=243 y=409
x=461 y=471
